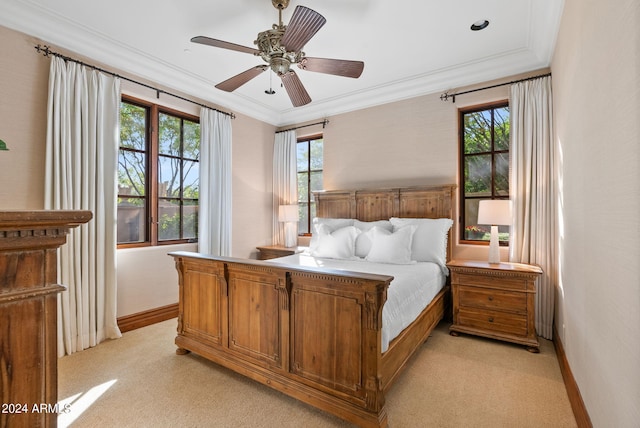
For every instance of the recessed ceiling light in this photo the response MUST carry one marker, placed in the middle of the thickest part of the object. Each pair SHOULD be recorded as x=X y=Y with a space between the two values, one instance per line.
x=479 y=25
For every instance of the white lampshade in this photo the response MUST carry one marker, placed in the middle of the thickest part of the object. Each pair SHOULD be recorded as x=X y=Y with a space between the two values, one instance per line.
x=495 y=212
x=288 y=213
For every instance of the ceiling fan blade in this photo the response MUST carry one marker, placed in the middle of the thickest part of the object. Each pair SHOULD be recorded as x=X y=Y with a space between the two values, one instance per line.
x=297 y=93
x=303 y=25
x=204 y=40
x=338 y=67
x=238 y=80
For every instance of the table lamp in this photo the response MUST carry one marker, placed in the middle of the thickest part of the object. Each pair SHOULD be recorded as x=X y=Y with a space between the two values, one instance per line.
x=288 y=214
x=494 y=212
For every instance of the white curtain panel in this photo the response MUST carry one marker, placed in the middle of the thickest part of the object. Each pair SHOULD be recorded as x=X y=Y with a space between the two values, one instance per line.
x=82 y=141
x=534 y=191
x=214 y=219
x=285 y=179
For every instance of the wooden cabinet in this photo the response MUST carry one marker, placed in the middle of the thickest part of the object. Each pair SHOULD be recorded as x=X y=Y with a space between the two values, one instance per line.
x=28 y=314
x=495 y=300
x=273 y=251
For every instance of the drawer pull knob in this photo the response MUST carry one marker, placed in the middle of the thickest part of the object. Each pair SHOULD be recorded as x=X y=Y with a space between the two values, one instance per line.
x=490 y=319
x=491 y=298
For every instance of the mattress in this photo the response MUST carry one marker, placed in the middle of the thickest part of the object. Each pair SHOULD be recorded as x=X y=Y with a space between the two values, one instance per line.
x=413 y=287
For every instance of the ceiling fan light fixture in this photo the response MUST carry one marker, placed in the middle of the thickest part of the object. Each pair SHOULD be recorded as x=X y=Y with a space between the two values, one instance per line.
x=280 y=65
x=479 y=25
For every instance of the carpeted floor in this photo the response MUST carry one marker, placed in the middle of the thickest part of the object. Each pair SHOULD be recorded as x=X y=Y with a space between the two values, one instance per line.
x=466 y=381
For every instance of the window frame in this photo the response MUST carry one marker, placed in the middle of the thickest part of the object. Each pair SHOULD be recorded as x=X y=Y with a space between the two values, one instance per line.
x=462 y=156
x=309 y=171
x=151 y=171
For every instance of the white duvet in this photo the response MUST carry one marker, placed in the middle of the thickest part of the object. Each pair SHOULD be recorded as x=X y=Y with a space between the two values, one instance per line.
x=412 y=289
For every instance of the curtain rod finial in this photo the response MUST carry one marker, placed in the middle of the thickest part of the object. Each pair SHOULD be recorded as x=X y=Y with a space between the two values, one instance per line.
x=445 y=97
x=43 y=49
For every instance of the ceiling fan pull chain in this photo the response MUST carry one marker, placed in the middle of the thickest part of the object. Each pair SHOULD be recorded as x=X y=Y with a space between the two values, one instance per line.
x=270 y=91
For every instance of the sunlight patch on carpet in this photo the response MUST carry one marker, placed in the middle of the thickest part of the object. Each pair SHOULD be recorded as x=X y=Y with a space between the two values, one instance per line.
x=76 y=404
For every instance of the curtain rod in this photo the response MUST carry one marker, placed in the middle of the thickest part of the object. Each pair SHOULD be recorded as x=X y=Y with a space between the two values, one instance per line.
x=445 y=96
x=45 y=51
x=323 y=123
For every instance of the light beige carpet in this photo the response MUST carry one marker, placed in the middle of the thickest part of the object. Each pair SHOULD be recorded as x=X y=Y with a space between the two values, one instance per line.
x=139 y=381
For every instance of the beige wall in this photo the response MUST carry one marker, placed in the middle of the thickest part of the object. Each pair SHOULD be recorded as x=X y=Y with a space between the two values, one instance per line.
x=23 y=121
x=252 y=184
x=596 y=84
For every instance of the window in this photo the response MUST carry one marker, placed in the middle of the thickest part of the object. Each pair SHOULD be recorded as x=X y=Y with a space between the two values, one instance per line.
x=309 y=179
x=158 y=175
x=484 y=166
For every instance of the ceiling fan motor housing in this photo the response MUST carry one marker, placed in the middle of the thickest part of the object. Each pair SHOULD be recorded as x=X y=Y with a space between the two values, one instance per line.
x=268 y=42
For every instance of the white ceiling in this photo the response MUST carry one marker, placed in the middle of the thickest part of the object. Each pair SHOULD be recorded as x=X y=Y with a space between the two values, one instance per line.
x=410 y=48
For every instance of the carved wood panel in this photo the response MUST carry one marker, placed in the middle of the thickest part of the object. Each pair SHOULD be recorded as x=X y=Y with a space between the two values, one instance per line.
x=203 y=311
x=327 y=322
x=254 y=318
x=425 y=203
x=335 y=204
x=376 y=205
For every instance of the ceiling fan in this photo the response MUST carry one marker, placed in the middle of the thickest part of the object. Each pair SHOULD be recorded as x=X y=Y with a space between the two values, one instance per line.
x=280 y=47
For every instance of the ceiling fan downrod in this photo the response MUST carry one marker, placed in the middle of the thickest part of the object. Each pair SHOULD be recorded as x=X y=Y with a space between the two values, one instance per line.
x=280 y=5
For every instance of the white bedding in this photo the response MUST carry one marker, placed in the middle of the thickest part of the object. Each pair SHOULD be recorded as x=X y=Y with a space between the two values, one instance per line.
x=412 y=289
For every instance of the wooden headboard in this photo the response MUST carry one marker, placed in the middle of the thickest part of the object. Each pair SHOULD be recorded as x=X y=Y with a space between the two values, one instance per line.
x=382 y=204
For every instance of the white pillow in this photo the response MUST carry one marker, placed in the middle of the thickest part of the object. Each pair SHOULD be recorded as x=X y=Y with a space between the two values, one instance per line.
x=429 y=240
x=331 y=223
x=391 y=247
x=363 y=241
x=339 y=244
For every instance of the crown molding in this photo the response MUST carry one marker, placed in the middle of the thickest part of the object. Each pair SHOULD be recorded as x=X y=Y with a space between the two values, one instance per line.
x=516 y=62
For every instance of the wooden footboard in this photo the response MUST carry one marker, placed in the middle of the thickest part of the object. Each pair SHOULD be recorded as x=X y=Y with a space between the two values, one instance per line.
x=310 y=333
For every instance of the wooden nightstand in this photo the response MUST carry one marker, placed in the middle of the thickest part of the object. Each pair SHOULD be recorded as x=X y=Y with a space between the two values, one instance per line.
x=272 y=251
x=495 y=300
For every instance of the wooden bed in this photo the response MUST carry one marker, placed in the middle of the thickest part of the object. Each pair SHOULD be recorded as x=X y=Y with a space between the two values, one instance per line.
x=311 y=333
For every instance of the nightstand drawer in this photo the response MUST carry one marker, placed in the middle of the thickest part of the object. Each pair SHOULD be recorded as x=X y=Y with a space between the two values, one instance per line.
x=499 y=281
x=492 y=299
x=493 y=321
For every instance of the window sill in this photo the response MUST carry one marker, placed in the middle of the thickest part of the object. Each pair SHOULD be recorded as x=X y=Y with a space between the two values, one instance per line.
x=481 y=243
